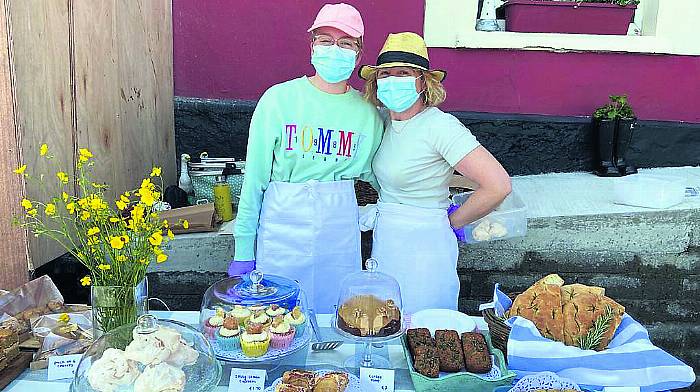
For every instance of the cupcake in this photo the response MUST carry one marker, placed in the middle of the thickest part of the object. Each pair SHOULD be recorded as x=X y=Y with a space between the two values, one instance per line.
x=255 y=341
x=229 y=335
x=213 y=323
x=296 y=319
x=282 y=333
x=262 y=318
x=241 y=313
x=257 y=308
x=275 y=310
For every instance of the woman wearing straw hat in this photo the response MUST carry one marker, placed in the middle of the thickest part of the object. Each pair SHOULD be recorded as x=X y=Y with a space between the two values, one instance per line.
x=415 y=226
x=309 y=139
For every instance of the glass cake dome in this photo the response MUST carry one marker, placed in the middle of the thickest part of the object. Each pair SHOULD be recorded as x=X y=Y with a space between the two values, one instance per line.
x=255 y=317
x=149 y=355
x=369 y=310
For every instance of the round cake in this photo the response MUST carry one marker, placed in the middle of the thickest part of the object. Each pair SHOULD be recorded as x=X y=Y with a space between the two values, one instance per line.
x=369 y=316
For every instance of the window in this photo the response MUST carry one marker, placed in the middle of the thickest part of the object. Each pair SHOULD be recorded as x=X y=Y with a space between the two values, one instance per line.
x=660 y=26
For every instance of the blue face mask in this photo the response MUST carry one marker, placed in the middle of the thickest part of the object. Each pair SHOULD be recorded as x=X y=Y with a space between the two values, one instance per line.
x=333 y=64
x=397 y=93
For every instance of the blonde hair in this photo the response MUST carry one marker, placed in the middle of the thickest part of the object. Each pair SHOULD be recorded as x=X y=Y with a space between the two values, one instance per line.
x=433 y=95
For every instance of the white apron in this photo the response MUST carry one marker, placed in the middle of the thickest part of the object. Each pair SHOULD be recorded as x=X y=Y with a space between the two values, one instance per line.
x=419 y=249
x=309 y=232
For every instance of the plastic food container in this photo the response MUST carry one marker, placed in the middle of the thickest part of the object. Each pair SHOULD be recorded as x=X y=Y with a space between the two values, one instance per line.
x=650 y=191
x=509 y=220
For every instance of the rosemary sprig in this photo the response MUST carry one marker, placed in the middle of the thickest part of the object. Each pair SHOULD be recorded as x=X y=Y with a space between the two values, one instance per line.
x=599 y=328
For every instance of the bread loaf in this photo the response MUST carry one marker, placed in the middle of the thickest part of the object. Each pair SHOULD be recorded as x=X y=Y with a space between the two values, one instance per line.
x=477 y=358
x=449 y=349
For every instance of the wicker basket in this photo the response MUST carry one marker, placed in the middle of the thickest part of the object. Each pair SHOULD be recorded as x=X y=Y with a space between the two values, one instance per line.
x=365 y=193
x=498 y=328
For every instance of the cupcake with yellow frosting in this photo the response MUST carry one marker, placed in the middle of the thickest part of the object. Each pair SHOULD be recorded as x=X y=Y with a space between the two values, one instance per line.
x=213 y=323
x=297 y=320
x=241 y=313
x=282 y=333
x=255 y=341
x=260 y=317
x=229 y=335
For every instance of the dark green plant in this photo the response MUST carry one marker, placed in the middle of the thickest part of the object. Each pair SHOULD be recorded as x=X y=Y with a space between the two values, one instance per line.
x=617 y=108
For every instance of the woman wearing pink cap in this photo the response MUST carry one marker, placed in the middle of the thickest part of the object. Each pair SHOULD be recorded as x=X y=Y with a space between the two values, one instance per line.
x=310 y=138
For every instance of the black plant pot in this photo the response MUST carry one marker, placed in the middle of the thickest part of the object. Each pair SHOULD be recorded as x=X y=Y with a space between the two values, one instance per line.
x=605 y=137
x=625 y=130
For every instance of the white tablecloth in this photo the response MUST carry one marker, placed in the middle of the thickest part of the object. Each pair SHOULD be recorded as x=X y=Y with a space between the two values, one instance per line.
x=35 y=381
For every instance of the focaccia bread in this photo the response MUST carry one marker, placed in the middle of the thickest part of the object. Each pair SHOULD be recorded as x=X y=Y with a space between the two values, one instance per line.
x=541 y=304
x=582 y=310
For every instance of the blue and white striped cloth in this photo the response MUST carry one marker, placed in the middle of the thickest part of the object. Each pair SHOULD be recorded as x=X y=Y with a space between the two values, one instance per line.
x=630 y=360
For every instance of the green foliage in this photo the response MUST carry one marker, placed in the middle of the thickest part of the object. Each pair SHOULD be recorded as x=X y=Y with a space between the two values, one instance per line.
x=617 y=108
x=599 y=328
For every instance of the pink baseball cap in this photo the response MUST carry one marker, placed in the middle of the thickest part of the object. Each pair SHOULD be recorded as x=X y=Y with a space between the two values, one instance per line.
x=341 y=16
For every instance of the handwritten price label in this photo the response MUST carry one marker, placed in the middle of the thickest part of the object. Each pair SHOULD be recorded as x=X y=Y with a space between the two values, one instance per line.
x=247 y=380
x=377 y=380
x=63 y=366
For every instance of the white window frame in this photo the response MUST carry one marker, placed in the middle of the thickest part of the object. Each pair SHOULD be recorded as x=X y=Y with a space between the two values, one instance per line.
x=666 y=27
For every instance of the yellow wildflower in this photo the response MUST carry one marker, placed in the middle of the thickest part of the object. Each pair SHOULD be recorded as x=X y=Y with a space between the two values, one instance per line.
x=165 y=223
x=114 y=219
x=170 y=234
x=92 y=241
x=21 y=169
x=86 y=281
x=142 y=261
x=84 y=215
x=26 y=204
x=71 y=208
x=121 y=258
x=63 y=177
x=43 y=149
x=93 y=231
x=125 y=238
x=146 y=184
x=155 y=172
x=116 y=242
x=85 y=155
x=83 y=202
x=121 y=205
x=104 y=267
x=186 y=224
x=64 y=317
x=137 y=213
x=124 y=199
x=147 y=197
x=32 y=212
x=161 y=258
x=97 y=204
x=50 y=209
x=156 y=239
x=65 y=196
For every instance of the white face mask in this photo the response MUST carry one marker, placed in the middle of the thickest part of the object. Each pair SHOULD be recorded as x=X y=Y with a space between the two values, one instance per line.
x=333 y=64
x=397 y=93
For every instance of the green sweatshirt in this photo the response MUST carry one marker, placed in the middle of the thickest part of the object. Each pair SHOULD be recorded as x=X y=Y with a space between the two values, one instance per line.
x=300 y=133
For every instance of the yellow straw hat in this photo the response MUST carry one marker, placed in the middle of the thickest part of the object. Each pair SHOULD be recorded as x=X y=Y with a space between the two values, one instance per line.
x=403 y=50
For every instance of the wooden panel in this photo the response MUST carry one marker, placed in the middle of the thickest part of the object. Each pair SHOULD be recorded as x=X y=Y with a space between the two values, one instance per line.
x=13 y=249
x=123 y=52
x=41 y=56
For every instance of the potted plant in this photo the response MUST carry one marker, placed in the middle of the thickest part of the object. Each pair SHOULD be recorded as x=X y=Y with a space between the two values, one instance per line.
x=614 y=124
x=116 y=241
x=570 y=16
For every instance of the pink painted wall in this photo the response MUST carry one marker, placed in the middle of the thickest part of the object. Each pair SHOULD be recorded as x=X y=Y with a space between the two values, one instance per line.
x=235 y=49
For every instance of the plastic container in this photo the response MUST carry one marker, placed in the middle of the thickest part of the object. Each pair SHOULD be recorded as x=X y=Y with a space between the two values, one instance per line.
x=260 y=300
x=151 y=354
x=462 y=381
x=508 y=220
x=649 y=191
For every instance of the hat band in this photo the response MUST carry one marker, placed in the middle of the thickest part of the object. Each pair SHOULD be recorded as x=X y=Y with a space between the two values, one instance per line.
x=403 y=57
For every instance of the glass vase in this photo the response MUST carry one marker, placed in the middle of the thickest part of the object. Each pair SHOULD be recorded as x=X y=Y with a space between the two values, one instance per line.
x=114 y=306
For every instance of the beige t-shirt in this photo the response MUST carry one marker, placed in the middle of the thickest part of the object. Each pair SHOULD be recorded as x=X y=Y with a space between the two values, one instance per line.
x=416 y=159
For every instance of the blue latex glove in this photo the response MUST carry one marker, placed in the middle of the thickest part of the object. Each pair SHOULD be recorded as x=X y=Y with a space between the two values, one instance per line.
x=459 y=233
x=240 y=268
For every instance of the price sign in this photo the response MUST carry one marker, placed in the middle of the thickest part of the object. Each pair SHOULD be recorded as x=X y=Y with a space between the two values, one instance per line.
x=63 y=366
x=247 y=380
x=377 y=380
